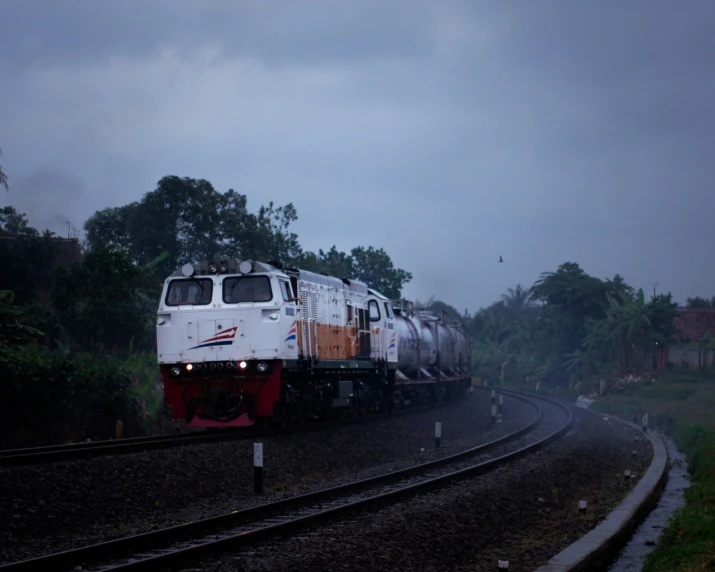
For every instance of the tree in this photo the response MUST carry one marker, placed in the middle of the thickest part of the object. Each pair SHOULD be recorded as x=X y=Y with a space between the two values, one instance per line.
x=192 y=221
x=110 y=227
x=107 y=302
x=375 y=268
x=271 y=239
x=3 y=177
x=698 y=302
x=618 y=288
x=571 y=298
x=15 y=222
x=517 y=299
x=334 y=262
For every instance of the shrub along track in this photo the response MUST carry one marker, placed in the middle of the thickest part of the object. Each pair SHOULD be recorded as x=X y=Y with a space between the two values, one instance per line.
x=169 y=547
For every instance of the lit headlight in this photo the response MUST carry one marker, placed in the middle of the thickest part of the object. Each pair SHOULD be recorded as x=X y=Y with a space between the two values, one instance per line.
x=262 y=367
x=242 y=365
x=189 y=367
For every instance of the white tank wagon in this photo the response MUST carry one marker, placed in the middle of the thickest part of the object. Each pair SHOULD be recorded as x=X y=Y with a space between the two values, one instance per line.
x=430 y=345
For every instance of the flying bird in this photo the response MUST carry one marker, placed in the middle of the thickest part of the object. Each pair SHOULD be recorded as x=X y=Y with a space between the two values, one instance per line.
x=500 y=259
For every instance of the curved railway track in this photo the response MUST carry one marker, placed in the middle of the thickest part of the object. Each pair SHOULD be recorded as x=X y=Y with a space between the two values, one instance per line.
x=55 y=453
x=187 y=543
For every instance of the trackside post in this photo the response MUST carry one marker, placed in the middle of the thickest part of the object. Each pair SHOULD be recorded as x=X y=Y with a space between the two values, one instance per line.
x=258 y=468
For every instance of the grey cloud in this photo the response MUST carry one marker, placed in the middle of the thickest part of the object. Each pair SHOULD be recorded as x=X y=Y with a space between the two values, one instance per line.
x=45 y=31
x=50 y=198
x=540 y=131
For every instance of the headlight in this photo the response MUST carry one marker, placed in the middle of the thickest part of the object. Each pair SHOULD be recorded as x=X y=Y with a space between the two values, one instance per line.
x=242 y=365
x=175 y=371
x=189 y=367
x=262 y=367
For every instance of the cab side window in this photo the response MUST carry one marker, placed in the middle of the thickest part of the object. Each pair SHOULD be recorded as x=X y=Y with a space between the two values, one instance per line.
x=285 y=290
x=374 y=311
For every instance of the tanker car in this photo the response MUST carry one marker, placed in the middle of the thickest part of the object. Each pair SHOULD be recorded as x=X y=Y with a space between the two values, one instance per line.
x=245 y=342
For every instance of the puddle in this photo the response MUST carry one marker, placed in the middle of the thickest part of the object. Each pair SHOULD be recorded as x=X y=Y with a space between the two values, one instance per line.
x=643 y=542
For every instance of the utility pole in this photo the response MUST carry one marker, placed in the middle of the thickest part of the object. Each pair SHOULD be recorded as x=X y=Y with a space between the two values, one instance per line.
x=654 y=285
x=69 y=224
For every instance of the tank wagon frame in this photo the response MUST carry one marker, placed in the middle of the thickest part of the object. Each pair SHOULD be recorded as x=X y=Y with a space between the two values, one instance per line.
x=241 y=342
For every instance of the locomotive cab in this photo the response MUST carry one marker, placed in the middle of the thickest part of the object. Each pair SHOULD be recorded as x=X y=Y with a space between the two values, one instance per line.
x=223 y=329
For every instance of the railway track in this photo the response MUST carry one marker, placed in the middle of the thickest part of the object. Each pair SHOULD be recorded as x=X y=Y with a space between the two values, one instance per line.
x=187 y=543
x=55 y=453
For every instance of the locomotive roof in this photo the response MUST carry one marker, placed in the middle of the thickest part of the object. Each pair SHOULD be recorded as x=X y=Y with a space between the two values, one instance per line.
x=202 y=268
x=327 y=280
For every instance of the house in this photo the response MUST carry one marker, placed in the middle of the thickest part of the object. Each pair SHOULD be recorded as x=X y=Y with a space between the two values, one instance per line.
x=69 y=249
x=692 y=324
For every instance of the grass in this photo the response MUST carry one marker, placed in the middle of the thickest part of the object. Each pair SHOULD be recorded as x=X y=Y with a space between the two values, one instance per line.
x=683 y=404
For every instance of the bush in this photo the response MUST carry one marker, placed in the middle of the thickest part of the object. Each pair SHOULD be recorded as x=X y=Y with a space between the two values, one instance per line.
x=47 y=398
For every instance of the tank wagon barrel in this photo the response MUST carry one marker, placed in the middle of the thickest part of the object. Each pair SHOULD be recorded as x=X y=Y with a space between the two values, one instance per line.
x=243 y=341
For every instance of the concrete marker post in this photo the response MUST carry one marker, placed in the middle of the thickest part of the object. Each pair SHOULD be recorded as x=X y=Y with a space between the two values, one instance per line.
x=437 y=434
x=645 y=423
x=494 y=414
x=582 y=505
x=501 y=404
x=258 y=468
x=502 y=564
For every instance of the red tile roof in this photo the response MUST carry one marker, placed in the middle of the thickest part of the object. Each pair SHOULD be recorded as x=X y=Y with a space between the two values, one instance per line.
x=693 y=323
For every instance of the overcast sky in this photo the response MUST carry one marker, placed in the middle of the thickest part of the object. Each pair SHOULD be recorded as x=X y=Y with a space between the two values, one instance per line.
x=448 y=133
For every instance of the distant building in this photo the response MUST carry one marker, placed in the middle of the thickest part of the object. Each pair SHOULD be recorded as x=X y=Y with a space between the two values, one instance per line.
x=69 y=249
x=692 y=324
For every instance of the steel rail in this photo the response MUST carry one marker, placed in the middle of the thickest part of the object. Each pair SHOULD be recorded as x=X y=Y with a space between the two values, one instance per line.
x=56 y=453
x=267 y=520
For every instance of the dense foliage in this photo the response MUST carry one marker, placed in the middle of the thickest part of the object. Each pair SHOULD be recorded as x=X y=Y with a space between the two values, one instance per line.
x=570 y=325
x=566 y=327
x=191 y=221
x=77 y=339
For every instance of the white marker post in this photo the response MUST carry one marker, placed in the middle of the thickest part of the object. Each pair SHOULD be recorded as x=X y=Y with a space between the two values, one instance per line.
x=494 y=414
x=503 y=564
x=437 y=433
x=258 y=468
x=582 y=505
x=645 y=423
x=627 y=474
x=501 y=404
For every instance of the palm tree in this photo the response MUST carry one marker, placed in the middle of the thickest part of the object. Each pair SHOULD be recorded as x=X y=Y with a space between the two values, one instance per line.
x=625 y=330
x=3 y=177
x=517 y=298
x=618 y=288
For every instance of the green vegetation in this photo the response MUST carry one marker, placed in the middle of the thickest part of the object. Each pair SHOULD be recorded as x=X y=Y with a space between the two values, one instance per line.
x=682 y=404
x=567 y=328
x=77 y=341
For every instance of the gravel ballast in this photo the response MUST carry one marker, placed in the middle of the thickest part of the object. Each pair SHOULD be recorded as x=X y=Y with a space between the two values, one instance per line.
x=50 y=508
x=524 y=513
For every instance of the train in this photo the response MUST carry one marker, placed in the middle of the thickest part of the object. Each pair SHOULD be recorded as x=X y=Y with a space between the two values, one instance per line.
x=245 y=342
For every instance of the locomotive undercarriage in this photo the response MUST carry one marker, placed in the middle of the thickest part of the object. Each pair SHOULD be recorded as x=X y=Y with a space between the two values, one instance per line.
x=295 y=395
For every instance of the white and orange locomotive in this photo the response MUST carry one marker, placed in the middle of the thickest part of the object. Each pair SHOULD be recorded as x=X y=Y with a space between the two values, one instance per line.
x=243 y=342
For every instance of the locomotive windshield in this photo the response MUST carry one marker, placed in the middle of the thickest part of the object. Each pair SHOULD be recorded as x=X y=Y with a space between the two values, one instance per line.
x=191 y=292
x=247 y=289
